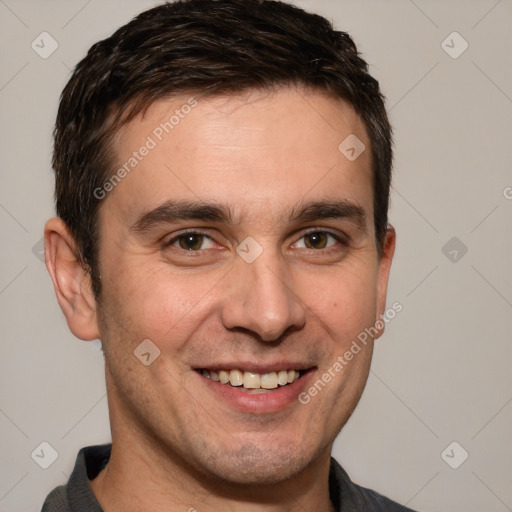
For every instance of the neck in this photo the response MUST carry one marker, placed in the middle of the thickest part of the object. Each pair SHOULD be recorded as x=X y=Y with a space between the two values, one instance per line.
x=142 y=475
x=145 y=474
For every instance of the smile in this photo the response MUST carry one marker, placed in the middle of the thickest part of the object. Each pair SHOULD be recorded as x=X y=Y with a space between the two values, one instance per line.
x=255 y=382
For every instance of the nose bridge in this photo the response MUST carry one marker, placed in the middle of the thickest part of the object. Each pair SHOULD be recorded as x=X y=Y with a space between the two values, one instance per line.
x=261 y=298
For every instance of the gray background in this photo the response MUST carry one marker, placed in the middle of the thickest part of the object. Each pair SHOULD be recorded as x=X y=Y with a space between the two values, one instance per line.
x=441 y=373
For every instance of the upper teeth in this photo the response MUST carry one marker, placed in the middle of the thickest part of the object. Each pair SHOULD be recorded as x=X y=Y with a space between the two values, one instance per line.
x=251 y=380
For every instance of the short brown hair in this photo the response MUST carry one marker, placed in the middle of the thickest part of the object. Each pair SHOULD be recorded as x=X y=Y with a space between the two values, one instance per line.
x=202 y=47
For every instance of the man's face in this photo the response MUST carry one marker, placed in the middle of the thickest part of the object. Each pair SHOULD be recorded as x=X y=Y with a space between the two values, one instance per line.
x=243 y=240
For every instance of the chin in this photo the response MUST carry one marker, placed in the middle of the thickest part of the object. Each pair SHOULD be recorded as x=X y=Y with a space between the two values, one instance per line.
x=251 y=465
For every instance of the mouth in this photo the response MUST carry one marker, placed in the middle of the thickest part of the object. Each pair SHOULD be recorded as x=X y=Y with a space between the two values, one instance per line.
x=254 y=383
x=256 y=387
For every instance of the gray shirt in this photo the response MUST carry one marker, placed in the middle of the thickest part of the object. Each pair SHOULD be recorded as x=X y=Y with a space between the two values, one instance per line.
x=77 y=495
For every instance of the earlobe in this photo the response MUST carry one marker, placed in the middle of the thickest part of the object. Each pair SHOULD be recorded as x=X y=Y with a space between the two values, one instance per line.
x=71 y=281
x=388 y=251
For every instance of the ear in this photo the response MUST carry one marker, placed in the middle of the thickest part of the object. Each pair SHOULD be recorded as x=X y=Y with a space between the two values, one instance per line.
x=388 y=250
x=71 y=281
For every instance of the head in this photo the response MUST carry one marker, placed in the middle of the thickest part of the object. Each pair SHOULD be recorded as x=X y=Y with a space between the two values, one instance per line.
x=204 y=204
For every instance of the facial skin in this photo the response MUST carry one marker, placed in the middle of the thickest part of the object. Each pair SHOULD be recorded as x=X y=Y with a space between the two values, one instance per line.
x=259 y=158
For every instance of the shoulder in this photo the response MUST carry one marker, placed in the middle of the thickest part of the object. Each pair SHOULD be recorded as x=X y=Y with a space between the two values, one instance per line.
x=56 y=501
x=348 y=496
x=380 y=503
x=77 y=493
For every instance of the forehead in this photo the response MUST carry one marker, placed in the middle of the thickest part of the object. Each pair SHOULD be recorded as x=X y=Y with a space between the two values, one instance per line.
x=258 y=149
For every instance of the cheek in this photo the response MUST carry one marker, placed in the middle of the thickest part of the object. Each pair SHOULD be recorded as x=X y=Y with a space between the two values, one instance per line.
x=153 y=303
x=345 y=302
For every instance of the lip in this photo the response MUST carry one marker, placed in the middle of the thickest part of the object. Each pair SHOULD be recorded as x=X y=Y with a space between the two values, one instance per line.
x=253 y=367
x=262 y=403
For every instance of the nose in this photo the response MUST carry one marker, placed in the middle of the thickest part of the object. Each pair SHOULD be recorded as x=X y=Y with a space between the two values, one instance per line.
x=260 y=298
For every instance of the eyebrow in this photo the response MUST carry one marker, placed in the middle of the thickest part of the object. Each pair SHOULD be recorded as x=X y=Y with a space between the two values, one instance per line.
x=323 y=210
x=173 y=211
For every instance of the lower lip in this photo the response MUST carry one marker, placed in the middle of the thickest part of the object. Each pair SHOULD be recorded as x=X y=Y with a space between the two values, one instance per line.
x=259 y=403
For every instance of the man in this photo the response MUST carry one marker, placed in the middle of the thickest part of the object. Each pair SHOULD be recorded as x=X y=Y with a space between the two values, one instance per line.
x=222 y=185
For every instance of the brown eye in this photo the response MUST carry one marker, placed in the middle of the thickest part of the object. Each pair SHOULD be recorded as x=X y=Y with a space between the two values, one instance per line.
x=316 y=240
x=191 y=241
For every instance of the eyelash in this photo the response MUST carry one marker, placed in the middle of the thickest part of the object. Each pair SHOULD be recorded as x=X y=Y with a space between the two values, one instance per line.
x=343 y=241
